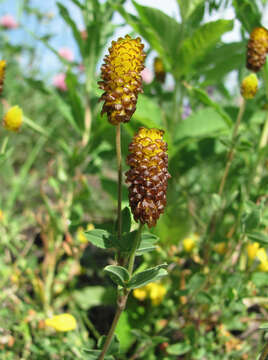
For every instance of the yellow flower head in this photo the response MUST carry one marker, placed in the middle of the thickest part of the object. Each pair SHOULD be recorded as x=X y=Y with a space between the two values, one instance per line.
x=189 y=244
x=257 y=48
x=81 y=233
x=13 y=118
x=1 y=215
x=121 y=79
x=249 y=86
x=159 y=70
x=252 y=250
x=154 y=291
x=263 y=266
x=2 y=74
x=62 y=323
x=220 y=248
x=262 y=255
x=148 y=175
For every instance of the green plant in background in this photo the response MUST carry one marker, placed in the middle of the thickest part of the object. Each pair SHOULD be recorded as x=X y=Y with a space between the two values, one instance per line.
x=59 y=175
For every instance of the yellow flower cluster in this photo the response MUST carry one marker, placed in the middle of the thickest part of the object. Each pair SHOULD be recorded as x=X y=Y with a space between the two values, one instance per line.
x=189 y=243
x=62 y=323
x=2 y=74
x=159 y=70
x=249 y=86
x=154 y=291
x=81 y=233
x=220 y=248
x=13 y=118
x=255 y=252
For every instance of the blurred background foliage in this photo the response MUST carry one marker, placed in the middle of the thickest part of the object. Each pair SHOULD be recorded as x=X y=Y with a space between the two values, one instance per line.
x=58 y=178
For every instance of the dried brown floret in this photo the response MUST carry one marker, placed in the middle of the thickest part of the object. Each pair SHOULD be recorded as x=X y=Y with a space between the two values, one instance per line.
x=148 y=175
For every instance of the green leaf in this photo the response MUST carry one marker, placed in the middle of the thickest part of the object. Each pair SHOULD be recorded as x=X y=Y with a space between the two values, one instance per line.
x=94 y=296
x=248 y=13
x=147 y=243
x=69 y=21
x=118 y=274
x=194 y=48
x=144 y=277
x=95 y=354
x=263 y=326
x=204 y=122
x=74 y=100
x=206 y=100
x=178 y=349
x=258 y=237
x=100 y=238
x=188 y=7
x=148 y=113
x=126 y=220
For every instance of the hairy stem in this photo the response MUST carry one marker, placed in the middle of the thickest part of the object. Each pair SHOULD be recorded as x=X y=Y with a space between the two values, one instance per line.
x=119 y=184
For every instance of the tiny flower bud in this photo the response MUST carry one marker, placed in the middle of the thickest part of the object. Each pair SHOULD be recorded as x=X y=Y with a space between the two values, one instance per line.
x=159 y=70
x=13 y=119
x=121 y=77
x=148 y=175
x=249 y=86
x=257 y=49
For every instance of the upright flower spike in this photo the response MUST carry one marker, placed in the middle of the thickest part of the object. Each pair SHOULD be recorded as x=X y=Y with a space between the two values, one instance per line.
x=257 y=49
x=159 y=70
x=121 y=79
x=148 y=175
x=13 y=118
x=2 y=74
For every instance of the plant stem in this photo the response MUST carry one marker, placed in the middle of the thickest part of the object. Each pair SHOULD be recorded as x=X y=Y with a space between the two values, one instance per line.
x=4 y=145
x=119 y=188
x=122 y=299
x=264 y=353
x=87 y=122
x=232 y=149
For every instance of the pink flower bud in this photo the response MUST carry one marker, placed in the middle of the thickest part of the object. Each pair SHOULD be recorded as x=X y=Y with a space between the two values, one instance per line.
x=59 y=82
x=8 y=22
x=66 y=54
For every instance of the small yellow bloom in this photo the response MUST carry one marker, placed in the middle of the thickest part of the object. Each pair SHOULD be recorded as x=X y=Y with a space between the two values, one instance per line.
x=252 y=250
x=188 y=244
x=263 y=266
x=155 y=292
x=13 y=118
x=262 y=255
x=220 y=248
x=140 y=293
x=249 y=86
x=62 y=323
x=81 y=233
x=159 y=70
x=1 y=215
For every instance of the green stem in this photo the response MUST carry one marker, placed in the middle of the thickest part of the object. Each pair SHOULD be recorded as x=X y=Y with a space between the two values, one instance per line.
x=4 y=145
x=232 y=149
x=264 y=353
x=119 y=175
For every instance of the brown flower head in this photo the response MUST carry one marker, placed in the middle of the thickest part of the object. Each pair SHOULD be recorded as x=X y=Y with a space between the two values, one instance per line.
x=148 y=175
x=2 y=74
x=159 y=70
x=257 y=49
x=121 y=79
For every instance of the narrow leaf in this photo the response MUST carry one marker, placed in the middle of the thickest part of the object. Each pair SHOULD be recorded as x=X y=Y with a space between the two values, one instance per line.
x=144 y=277
x=118 y=274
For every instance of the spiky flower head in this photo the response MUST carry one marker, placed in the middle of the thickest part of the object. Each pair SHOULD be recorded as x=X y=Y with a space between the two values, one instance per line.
x=13 y=118
x=159 y=70
x=148 y=175
x=249 y=86
x=257 y=48
x=121 y=79
x=2 y=74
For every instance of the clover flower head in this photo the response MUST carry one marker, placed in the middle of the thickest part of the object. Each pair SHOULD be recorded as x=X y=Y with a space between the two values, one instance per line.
x=121 y=79
x=257 y=48
x=13 y=119
x=249 y=86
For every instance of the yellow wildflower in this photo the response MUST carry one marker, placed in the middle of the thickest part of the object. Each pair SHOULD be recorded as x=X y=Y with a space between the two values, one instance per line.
x=249 y=86
x=81 y=233
x=263 y=266
x=262 y=255
x=1 y=215
x=257 y=48
x=159 y=70
x=62 y=323
x=13 y=118
x=220 y=248
x=140 y=293
x=252 y=250
x=154 y=291
x=189 y=244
